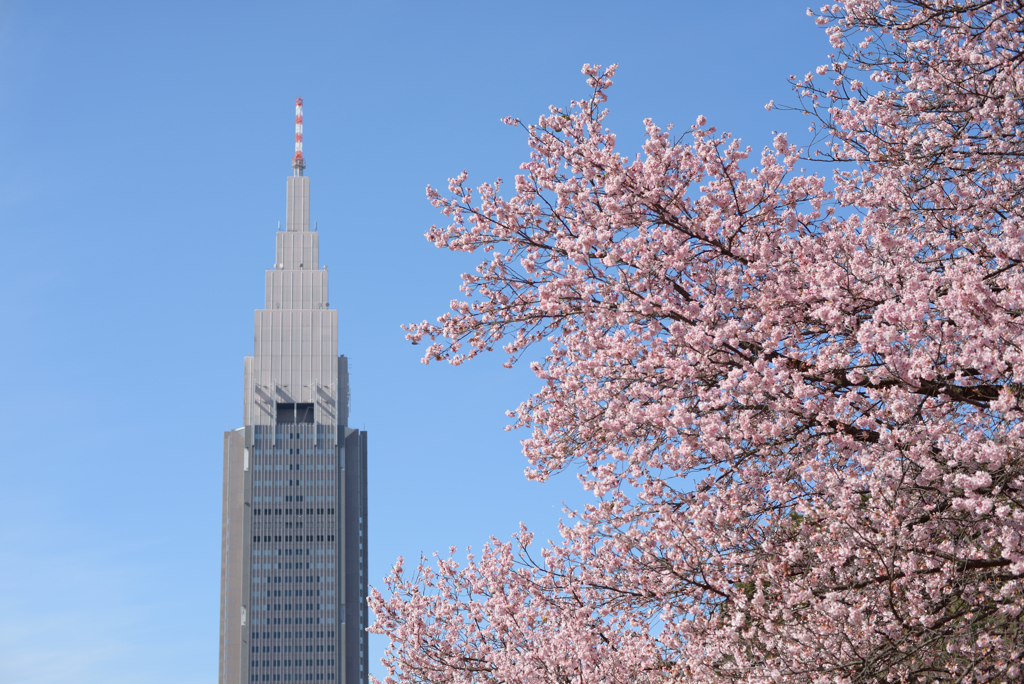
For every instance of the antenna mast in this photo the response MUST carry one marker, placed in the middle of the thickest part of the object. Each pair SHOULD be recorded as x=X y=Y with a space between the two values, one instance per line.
x=298 y=163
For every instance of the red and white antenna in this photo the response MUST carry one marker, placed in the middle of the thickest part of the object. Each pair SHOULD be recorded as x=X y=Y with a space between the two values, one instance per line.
x=298 y=163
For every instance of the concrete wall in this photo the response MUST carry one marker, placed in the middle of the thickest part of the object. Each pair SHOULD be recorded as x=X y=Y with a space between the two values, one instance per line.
x=234 y=574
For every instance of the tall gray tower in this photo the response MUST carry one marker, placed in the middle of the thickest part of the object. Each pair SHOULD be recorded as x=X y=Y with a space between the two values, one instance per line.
x=294 y=545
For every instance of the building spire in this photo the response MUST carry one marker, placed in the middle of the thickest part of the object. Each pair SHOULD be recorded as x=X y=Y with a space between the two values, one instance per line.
x=298 y=163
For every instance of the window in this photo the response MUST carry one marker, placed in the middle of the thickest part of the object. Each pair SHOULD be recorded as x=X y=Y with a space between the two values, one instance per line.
x=330 y=537
x=320 y=537
x=330 y=511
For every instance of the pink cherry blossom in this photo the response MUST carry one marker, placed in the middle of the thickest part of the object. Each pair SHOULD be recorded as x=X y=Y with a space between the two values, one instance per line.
x=796 y=400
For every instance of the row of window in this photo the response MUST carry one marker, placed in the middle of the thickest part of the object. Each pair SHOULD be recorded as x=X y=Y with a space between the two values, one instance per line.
x=288 y=552
x=288 y=538
x=277 y=499
x=288 y=606
x=298 y=620
x=288 y=511
x=288 y=663
x=292 y=466
x=297 y=552
x=288 y=677
x=288 y=592
x=288 y=647
x=295 y=435
x=298 y=635
x=287 y=579
x=288 y=566
x=319 y=451
x=292 y=483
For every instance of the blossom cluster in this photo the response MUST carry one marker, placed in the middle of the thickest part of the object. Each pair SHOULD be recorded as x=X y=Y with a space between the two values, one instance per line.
x=796 y=399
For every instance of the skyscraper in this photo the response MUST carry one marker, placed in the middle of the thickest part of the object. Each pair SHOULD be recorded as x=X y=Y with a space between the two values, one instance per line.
x=294 y=545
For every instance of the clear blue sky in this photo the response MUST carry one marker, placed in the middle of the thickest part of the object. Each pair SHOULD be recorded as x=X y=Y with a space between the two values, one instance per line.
x=143 y=154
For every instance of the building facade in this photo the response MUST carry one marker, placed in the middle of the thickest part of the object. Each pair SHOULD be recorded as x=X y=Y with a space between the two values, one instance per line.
x=294 y=542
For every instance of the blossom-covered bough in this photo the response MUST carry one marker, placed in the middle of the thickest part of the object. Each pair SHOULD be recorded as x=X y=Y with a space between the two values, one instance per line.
x=797 y=402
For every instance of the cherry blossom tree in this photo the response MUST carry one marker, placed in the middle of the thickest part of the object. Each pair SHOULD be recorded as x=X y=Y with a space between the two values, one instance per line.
x=795 y=398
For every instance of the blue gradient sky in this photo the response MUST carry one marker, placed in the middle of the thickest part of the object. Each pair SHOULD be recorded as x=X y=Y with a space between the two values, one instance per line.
x=143 y=154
